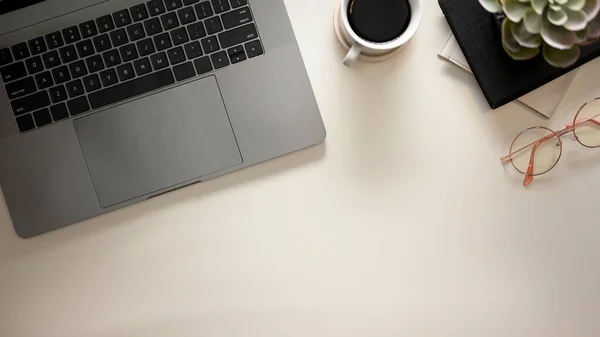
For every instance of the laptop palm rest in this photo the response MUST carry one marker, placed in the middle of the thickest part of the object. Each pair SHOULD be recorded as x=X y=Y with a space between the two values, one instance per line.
x=157 y=142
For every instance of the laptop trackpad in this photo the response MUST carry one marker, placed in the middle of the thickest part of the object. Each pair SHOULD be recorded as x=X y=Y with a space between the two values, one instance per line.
x=158 y=141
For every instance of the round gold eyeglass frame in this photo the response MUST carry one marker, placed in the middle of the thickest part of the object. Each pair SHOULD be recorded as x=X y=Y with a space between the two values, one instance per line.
x=529 y=174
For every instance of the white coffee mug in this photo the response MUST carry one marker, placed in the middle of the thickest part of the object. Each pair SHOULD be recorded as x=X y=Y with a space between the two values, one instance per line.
x=360 y=46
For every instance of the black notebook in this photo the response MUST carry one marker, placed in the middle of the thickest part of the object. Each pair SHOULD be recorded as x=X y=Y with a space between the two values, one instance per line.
x=501 y=78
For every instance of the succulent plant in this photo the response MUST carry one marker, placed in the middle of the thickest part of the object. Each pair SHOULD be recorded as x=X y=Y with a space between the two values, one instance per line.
x=556 y=27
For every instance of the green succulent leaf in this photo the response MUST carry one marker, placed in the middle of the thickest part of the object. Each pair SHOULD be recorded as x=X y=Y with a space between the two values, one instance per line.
x=582 y=35
x=561 y=2
x=576 y=20
x=594 y=27
x=591 y=9
x=532 y=21
x=557 y=17
x=576 y=5
x=539 y=6
x=492 y=6
x=512 y=47
x=514 y=9
x=523 y=37
x=556 y=36
x=561 y=58
x=588 y=42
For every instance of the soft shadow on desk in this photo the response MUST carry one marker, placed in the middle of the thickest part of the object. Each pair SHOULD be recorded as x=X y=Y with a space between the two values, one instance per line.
x=12 y=246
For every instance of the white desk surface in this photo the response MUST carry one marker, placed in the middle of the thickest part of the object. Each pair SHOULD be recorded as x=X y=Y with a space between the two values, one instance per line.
x=403 y=223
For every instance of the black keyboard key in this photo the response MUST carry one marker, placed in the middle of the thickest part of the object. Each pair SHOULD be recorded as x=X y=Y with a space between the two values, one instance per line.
x=61 y=74
x=220 y=59
x=25 y=123
x=42 y=117
x=111 y=58
x=37 y=46
x=142 y=67
x=105 y=23
x=71 y=34
x=68 y=54
x=172 y=5
x=122 y=18
x=95 y=63
x=88 y=29
x=176 y=55
x=145 y=47
x=21 y=88
x=85 y=48
x=132 y=88
x=238 y=3
x=190 y=2
x=153 y=26
x=203 y=65
x=92 y=83
x=75 y=88
x=196 y=31
x=186 y=15
x=238 y=35
x=156 y=7
x=44 y=80
x=30 y=103
x=139 y=12
x=108 y=77
x=119 y=37
x=125 y=72
x=78 y=69
x=136 y=32
x=213 y=25
x=34 y=65
x=236 y=54
x=54 y=40
x=184 y=71
x=13 y=72
x=102 y=43
x=193 y=50
x=162 y=41
x=203 y=10
x=51 y=59
x=78 y=106
x=221 y=6
x=5 y=57
x=169 y=21
x=237 y=58
x=235 y=50
x=128 y=53
x=58 y=94
x=210 y=44
x=179 y=36
x=159 y=61
x=59 y=112
x=254 y=49
x=20 y=51
x=237 y=17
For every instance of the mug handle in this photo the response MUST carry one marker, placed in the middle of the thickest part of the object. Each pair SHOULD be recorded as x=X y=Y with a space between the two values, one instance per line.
x=352 y=54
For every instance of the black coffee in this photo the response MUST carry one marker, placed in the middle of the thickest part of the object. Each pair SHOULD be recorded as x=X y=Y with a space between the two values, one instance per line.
x=379 y=20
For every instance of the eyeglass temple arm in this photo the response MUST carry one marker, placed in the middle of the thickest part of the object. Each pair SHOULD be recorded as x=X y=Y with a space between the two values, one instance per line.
x=559 y=133
x=529 y=176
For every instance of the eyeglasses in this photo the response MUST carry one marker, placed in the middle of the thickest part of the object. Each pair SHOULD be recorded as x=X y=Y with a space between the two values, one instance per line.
x=537 y=150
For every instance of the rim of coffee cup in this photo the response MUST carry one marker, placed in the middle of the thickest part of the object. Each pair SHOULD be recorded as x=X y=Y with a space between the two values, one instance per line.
x=411 y=30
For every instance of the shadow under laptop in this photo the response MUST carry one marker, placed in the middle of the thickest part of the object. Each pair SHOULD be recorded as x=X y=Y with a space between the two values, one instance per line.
x=12 y=247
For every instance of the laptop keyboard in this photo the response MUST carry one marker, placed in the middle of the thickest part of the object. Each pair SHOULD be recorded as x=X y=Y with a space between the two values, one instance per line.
x=124 y=54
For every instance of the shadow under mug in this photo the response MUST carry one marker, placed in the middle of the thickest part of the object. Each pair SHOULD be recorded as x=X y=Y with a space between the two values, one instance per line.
x=360 y=46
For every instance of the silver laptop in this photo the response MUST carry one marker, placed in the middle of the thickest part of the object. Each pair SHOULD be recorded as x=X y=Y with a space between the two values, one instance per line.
x=108 y=103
